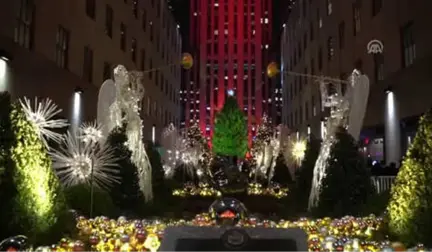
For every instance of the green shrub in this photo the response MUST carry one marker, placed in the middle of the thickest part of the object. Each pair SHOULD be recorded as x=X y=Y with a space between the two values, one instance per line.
x=79 y=199
x=376 y=204
x=32 y=199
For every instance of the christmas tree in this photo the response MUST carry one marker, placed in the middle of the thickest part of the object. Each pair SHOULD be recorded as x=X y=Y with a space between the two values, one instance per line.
x=230 y=133
x=126 y=195
x=195 y=139
x=264 y=134
x=410 y=205
x=347 y=185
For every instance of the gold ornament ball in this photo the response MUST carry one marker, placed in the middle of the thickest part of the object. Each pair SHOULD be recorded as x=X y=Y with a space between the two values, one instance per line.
x=272 y=69
x=187 y=61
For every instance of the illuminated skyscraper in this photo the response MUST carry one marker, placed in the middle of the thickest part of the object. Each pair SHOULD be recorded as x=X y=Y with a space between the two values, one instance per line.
x=230 y=42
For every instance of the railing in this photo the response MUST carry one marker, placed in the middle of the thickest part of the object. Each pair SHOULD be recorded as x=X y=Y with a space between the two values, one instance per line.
x=383 y=183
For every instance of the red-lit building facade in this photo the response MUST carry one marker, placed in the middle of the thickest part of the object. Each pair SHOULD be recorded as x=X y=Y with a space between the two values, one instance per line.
x=230 y=42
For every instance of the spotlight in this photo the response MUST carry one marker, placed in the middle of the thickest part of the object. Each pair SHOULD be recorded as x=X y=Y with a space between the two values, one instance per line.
x=78 y=90
x=230 y=92
x=388 y=90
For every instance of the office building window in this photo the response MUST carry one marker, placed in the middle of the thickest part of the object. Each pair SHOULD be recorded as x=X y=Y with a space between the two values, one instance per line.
x=320 y=59
x=107 y=73
x=134 y=50
x=408 y=45
x=109 y=18
x=62 y=47
x=91 y=8
x=376 y=6
x=88 y=64
x=144 y=20
x=135 y=8
x=143 y=55
x=311 y=31
x=356 y=19
x=123 y=37
x=379 y=67
x=341 y=35
x=329 y=7
x=150 y=74
x=330 y=48
x=24 y=29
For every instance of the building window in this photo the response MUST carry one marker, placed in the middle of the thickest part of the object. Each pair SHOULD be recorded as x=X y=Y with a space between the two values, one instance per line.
x=151 y=32
x=109 y=17
x=320 y=59
x=408 y=45
x=62 y=47
x=304 y=8
x=150 y=73
x=88 y=64
x=106 y=71
x=379 y=67
x=376 y=6
x=135 y=8
x=356 y=19
x=134 y=50
x=144 y=20
x=91 y=8
x=358 y=64
x=330 y=48
x=341 y=35
x=311 y=31
x=123 y=37
x=24 y=29
x=329 y=7
x=143 y=55
x=305 y=41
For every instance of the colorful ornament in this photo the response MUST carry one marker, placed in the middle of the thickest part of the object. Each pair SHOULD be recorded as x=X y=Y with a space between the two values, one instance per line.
x=187 y=61
x=272 y=69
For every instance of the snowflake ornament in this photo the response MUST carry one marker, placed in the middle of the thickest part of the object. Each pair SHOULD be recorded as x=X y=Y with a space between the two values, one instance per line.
x=42 y=115
x=77 y=162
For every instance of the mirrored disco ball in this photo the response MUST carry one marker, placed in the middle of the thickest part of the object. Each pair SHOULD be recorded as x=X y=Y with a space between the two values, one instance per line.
x=16 y=243
x=227 y=211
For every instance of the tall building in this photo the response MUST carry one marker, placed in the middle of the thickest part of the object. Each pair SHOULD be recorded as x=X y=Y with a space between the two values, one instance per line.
x=331 y=38
x=53 y=47
x=230 y=41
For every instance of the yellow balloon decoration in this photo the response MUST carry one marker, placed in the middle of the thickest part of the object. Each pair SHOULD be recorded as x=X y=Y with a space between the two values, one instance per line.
x=272 y=69
x=187 y=61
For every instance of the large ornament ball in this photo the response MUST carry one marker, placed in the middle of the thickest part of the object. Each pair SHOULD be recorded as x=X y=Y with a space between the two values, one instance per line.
x=227 y=211
x=16 y=243
x=397 y=246
x=272 y=69
x=187 y=61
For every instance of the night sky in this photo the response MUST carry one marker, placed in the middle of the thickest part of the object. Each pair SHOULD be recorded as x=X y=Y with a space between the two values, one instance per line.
x=181 y=12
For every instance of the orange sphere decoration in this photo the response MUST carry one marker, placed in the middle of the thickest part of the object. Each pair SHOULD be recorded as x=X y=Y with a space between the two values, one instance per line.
x=187 y=61
x=272 y=69
x=397 y=246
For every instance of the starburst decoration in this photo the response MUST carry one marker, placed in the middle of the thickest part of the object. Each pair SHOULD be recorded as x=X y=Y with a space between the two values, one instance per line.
x=41 y=114
x=78 y=162
x=91 y=133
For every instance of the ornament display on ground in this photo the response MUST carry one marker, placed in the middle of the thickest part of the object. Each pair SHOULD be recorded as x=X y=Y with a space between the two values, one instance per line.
x=325 y=234
x=203 y=190
x=274 y=190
